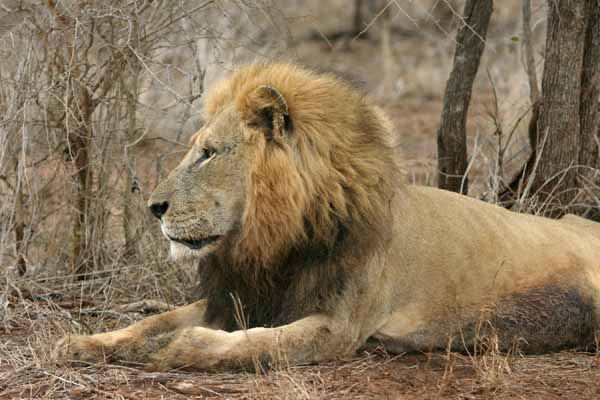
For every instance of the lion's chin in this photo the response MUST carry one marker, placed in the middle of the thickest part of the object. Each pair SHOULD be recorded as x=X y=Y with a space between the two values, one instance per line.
x=179 y=252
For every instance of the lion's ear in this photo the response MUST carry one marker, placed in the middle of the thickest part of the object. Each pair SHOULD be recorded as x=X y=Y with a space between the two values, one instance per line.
x=270 y=112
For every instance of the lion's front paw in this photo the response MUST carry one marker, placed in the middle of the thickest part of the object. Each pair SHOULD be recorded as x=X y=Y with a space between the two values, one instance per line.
x=80 y=350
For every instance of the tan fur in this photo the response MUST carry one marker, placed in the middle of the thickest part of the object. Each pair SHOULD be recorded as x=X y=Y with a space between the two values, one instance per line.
x=313 y=185
x=292 y=203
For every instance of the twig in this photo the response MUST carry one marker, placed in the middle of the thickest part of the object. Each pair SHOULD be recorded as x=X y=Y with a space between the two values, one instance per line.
x=144 y=306
x=529 y=56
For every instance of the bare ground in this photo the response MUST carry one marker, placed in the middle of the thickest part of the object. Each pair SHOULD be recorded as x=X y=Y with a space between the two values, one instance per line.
x=34 y=319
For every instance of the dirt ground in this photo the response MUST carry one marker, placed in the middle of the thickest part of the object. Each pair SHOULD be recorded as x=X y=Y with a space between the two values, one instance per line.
x=27 y=370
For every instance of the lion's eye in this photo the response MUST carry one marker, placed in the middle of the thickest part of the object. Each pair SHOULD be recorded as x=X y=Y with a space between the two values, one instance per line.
x=205 y=154
x=208 y=152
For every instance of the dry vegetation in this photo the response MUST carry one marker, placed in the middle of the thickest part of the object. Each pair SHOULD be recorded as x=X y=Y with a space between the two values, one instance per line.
x=97 y=100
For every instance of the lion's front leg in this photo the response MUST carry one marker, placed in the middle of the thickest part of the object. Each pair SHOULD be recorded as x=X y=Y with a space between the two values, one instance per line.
x=309 y=340
x=126 y=344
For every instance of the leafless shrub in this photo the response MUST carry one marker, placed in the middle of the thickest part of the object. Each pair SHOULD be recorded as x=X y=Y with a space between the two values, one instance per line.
x=84 y=87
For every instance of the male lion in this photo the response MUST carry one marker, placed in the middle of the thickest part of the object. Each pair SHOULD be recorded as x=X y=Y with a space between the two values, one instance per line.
x=310 y=246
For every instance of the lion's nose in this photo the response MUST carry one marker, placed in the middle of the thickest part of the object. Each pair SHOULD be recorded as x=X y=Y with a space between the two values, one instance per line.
x=159 y=209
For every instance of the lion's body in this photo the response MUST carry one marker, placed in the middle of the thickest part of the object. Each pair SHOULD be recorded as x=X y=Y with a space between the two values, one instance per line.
x=307 y=237
x=459 y=262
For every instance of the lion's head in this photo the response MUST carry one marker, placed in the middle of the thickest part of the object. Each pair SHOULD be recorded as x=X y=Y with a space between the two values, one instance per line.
x=286 y=157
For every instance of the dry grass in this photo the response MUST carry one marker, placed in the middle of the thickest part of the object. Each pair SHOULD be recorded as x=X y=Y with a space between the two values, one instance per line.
x=34 y=320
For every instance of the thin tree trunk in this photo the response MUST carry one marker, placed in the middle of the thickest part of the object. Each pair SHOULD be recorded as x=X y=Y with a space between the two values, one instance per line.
x=78 y=127
x=451 y=136
x=529 y=55
x=20 y=245
x=558 y=134
x=357 y=18
x=80 y=257
x=513 y=190
x=590 y=90
x=129 y=200
x=130 y=88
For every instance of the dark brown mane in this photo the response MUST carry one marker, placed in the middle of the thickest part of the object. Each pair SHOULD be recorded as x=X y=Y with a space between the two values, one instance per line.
x=323 y=204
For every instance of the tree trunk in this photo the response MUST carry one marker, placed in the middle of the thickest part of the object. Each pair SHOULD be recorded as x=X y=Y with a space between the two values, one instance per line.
x=451 y=136
x=590 y=90
x=130 y=88
x=20 y=243
x=357 y=18
x=559 y=126
x=80 y=257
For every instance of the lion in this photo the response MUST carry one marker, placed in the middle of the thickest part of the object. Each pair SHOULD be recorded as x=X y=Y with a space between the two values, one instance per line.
x=311 y=246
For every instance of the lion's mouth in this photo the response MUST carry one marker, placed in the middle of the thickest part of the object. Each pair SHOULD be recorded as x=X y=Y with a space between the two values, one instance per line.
x=196 y=244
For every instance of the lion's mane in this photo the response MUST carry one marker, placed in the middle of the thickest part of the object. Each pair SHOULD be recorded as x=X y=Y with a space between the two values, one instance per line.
x=315 y=205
